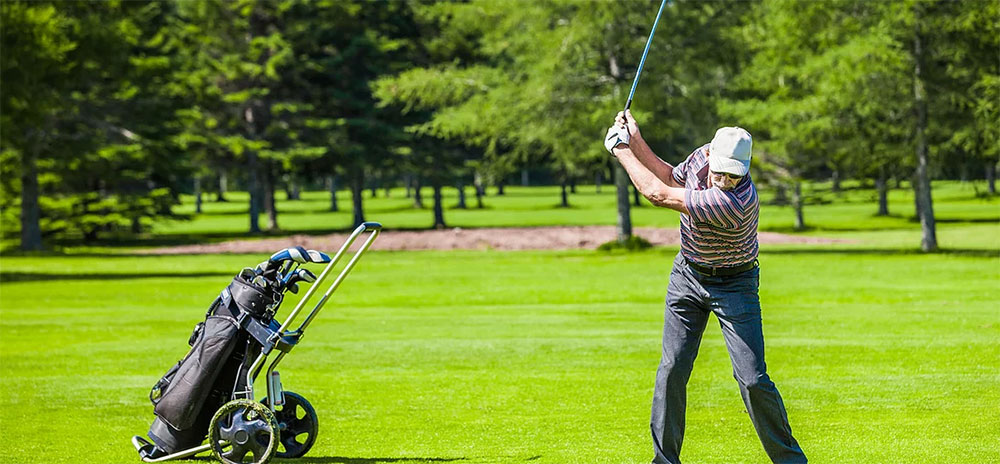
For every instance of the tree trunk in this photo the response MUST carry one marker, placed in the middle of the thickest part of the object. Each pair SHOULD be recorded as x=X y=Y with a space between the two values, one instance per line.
x=500 y=188
x=624 y=211
x=408 y=181
x=461 y=195
x=223 y=185
x=331 y=185
x=572 y=185
x=197 y=194
x=357 y=193
x=598 y=178
x=882 y=184
x=991 y=177
x=438 y=207
x=255 y=119
x=269 y=205
x=800 y=222
x=925 y=203
x=31 y=231
x=636 y=197
x=480 y=189
x=418 y=201
x=564 y=197
x=524 y=178
x=618 y=172
x=252 y=187
x=835 y=179
x=780 y=195
x=292 y=189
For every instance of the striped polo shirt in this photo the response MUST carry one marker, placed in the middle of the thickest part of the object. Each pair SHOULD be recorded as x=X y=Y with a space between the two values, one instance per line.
x=721 y=229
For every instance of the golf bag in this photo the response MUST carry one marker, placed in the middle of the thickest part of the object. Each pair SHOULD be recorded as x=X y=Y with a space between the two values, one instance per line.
x=210 y=393
x=191 y=391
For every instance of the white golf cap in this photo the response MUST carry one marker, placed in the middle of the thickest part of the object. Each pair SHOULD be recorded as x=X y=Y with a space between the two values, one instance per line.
x=729 y=151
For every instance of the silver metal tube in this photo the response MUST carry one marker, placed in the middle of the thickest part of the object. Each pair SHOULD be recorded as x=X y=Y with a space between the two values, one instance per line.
x=252 y=373
x=319 y=280
x=270 y=394
x=181 y=454
x=340 y=278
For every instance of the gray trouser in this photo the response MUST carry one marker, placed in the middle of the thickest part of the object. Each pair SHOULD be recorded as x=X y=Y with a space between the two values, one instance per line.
x=691 y=298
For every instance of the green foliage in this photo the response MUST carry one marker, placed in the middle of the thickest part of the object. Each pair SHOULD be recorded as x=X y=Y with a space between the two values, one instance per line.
x=128 y=98
x=633 y=243
x=82 y=116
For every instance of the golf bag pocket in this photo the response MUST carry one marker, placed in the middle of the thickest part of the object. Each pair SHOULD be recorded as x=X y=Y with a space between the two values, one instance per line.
x=157 y=392
x=182 y=391
x=199 y=328
x=248 y=298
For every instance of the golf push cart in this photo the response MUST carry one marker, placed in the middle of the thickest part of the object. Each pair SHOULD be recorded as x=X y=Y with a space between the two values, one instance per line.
x=210 y=392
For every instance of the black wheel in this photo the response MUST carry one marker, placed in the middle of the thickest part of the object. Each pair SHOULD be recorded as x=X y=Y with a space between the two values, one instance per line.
x=241 y=430
x=298 y=424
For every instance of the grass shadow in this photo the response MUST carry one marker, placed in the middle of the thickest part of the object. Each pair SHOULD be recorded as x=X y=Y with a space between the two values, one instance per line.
x=349 y=460
x=995 y=220
x=6 y=277
x=971 y=252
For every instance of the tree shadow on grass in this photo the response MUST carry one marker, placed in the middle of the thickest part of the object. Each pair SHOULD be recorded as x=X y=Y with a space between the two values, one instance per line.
x=971 y=252
x=903 y=224
x=348 y=460
x=6 y=277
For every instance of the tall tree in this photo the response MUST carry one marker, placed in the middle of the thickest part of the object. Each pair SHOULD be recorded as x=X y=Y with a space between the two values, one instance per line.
x=535 y=81
x=79 y=101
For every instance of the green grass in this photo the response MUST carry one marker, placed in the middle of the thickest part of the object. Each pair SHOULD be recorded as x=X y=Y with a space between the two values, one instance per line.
x=849 y=214
x=542 y=357
x=883 y=354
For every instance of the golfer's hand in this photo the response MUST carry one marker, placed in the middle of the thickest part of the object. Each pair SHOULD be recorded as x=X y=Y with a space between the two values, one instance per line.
x=616 y=139
x=631 y=125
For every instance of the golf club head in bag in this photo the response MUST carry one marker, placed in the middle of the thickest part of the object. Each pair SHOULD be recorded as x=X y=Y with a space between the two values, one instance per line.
x=293 y=278
x=299 y=255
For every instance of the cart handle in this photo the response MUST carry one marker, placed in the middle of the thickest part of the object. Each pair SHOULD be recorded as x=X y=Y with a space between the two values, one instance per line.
x=373 y=227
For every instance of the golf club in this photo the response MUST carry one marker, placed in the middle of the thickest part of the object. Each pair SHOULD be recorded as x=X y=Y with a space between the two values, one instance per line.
x=642 y=61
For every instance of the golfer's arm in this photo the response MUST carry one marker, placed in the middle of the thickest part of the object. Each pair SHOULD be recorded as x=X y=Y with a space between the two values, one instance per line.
x=661 y=169
x=649 y=184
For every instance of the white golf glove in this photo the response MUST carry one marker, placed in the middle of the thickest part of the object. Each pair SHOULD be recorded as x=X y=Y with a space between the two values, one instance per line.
x=617 y=135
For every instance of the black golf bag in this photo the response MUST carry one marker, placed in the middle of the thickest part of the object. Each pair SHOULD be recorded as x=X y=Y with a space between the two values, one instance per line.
x=189 y=394
x=210 y=393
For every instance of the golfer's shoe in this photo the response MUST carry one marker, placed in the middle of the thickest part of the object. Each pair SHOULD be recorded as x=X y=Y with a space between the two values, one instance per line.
x=617 y=135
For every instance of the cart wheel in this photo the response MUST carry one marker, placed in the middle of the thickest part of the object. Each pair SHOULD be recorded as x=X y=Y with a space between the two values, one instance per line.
x=242 y=429
x=298 y=423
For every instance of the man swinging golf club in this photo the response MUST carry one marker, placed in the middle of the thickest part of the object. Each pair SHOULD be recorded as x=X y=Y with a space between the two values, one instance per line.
x=716 y=272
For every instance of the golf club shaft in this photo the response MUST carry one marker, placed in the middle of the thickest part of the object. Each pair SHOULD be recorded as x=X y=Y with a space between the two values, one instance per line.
x=644 y=53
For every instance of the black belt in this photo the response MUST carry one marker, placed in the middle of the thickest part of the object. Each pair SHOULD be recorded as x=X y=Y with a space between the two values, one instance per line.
x=722 y=271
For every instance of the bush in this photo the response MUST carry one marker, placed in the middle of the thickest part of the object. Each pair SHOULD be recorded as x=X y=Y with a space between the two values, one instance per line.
x=633 y=243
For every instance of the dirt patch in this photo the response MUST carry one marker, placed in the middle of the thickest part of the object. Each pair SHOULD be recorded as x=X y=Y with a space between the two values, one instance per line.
x=508 y=238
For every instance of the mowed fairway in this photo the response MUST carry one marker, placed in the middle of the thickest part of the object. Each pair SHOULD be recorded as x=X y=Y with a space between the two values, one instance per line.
x=536 y=357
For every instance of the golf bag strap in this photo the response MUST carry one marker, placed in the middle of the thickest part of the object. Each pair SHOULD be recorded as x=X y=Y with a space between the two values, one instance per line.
x=261 y=334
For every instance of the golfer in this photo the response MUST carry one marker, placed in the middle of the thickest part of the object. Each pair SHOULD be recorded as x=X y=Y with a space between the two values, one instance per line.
x=716 y=272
